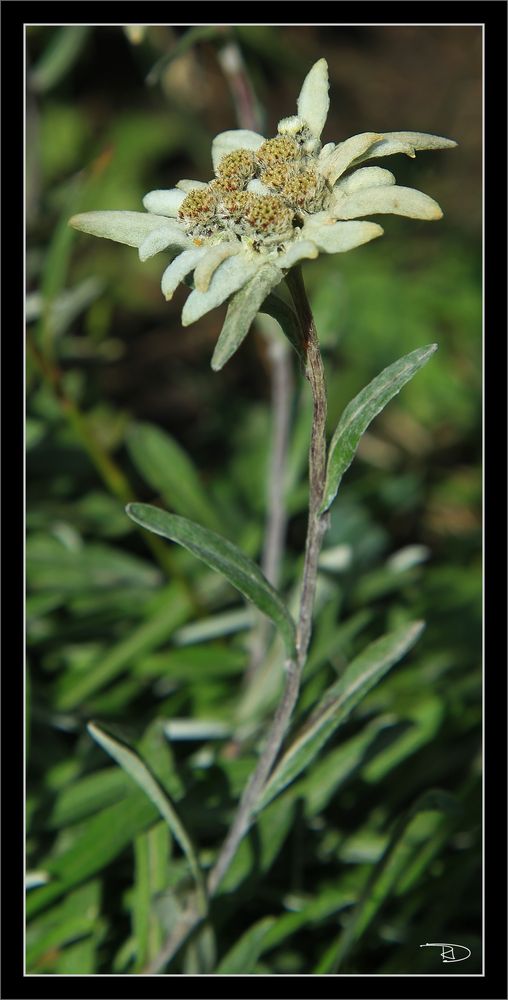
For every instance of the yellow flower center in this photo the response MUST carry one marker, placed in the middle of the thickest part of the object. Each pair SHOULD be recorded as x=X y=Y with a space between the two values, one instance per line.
x=281 y=149
x=238 y=166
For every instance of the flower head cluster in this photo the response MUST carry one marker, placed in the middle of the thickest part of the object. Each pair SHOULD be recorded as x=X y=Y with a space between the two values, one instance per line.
x=271 y=203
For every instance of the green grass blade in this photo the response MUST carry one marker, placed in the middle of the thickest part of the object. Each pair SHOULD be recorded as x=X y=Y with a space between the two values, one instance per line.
x=412 y=830
x=359 y=413
x=166 y=467
x=336 y=705
x=72 y=690
x=75 y=917
x=242 y=957
x=58 y=57
x=103 y=838
x=221 y=555
x=138 y=771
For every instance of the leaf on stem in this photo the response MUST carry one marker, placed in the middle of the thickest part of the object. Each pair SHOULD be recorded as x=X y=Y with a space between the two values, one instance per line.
x=221 y=555
x=138 y=771
x=359 y=413
x=337 y=703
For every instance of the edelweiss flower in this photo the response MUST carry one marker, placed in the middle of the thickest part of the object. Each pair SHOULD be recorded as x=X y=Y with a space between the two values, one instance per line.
x=272 y=203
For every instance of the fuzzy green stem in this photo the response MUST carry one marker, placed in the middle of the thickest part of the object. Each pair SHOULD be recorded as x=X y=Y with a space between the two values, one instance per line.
x=317 y=524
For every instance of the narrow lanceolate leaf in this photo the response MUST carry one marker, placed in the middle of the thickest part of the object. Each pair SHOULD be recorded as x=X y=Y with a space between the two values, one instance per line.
x=361 y=411
x=221 y=555
x=337 y=703
x=138 y=771
x=242 y=311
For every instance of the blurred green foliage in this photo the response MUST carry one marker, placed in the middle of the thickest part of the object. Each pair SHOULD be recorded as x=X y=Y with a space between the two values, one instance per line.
x=355 y=863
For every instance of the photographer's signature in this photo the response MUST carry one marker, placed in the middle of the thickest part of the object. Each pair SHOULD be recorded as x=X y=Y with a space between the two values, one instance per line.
x=449 y=952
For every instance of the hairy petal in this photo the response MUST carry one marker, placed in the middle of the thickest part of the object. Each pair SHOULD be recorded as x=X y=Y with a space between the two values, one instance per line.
x=231 y=275
x=162 y=239
x=391 y=200
x=341 y=236
x=300 y=250
x=406 y=142
x=334 y=165
x=164 y=202
x=242 y=311
x=131 y=228
x=366 y=177
x=210 y=262
x=314 y=102
x=179 y=269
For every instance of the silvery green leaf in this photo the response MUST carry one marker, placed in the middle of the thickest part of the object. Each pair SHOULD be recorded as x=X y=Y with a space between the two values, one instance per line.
x=242 y=311
x=238 y=138
x=393 y=200
x=314 y=102
x=365 y=671
x=221 y=555
x=210 y=262
x=164 y=202
x=359 y=413
x=365 y=177
x=333 y=165
x=139 y=772
x=231 y=275
x=179 y=268
x=405 y=142
x=131 y=228
x=162 y=239
x=341 y=236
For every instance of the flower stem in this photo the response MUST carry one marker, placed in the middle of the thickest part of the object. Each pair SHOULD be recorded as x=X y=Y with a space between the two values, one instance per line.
x=316 y=528
x=317 y=523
